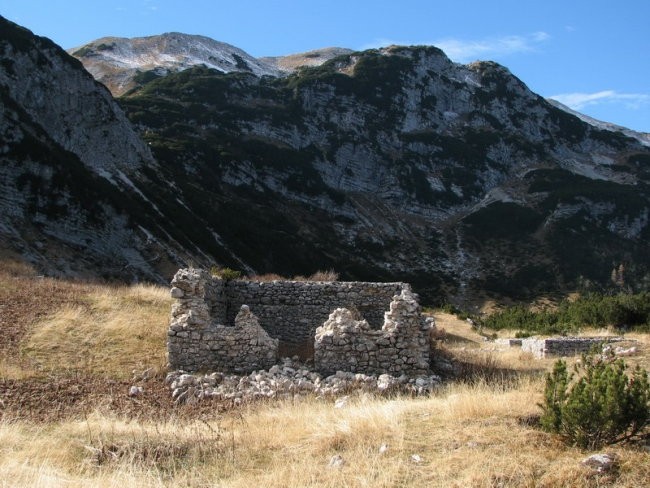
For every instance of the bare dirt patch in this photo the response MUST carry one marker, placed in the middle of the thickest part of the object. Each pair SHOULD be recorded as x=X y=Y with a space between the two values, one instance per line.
x=57 y=398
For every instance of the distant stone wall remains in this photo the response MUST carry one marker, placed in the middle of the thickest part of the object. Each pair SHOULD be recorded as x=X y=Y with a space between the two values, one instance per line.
x=509 y=342
x=237 y=325
x=563 y=346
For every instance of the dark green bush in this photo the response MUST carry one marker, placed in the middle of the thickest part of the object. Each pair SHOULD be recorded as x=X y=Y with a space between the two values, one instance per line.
x=597 y=405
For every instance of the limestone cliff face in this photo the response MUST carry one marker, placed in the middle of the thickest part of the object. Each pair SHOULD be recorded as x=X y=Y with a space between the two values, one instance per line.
x=392 y=164
x=398 y=163
x=71 y=167
x=78 y=113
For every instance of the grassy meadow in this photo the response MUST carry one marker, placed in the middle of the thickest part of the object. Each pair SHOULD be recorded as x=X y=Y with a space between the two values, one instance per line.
x=70 y=351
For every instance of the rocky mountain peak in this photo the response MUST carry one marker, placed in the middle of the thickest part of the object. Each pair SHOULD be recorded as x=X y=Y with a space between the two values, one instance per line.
x=117 y=61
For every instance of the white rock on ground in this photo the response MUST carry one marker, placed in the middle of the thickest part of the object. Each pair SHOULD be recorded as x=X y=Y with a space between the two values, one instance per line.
x=337 y=461
x=601 y=463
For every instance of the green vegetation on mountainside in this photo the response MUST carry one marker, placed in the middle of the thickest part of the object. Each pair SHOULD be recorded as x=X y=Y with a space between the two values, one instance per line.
x=267 y=163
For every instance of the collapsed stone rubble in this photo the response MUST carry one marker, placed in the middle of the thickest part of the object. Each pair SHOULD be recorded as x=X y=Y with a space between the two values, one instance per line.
x=288 y=379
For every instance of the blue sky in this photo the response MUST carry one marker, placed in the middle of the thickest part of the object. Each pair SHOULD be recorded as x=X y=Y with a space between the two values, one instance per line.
x=593 y=55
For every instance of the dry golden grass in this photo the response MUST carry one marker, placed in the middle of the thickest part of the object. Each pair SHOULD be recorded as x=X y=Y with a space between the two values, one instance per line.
x=476 y=433
x=465 y=436
x=267 y=277
x=642 y=344
x=111 y=331
x=457 y=332
x=15 y=267
x=24 y=300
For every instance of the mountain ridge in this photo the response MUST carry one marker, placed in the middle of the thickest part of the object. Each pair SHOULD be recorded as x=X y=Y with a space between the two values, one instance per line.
x=423 y=151
x=315 y=57
x=102 y=65
x=643 y=137
x=115 y=61
x=386 y=164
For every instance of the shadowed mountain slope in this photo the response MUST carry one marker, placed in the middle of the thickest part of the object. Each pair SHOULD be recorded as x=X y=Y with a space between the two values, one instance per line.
x=398 y=163
x=392 y=164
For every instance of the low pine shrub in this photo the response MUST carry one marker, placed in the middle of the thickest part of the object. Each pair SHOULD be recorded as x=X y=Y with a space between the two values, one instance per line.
x=523 y=319
x=625 y=311
x=225 y=274
x=598 y=404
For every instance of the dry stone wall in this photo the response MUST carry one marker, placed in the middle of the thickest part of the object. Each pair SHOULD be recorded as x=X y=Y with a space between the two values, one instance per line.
x=292 y=310
x=198 y=342
x=236 y=326
x=563 y=346
x=344 y=343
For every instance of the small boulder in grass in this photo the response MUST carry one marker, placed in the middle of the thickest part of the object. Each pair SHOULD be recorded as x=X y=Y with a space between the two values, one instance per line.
x=341 y=402
x=601 y=463
x=337 y=461
x=136 y=391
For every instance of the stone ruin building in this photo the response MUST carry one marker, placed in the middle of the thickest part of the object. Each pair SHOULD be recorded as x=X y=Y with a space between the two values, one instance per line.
x=238 y=325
